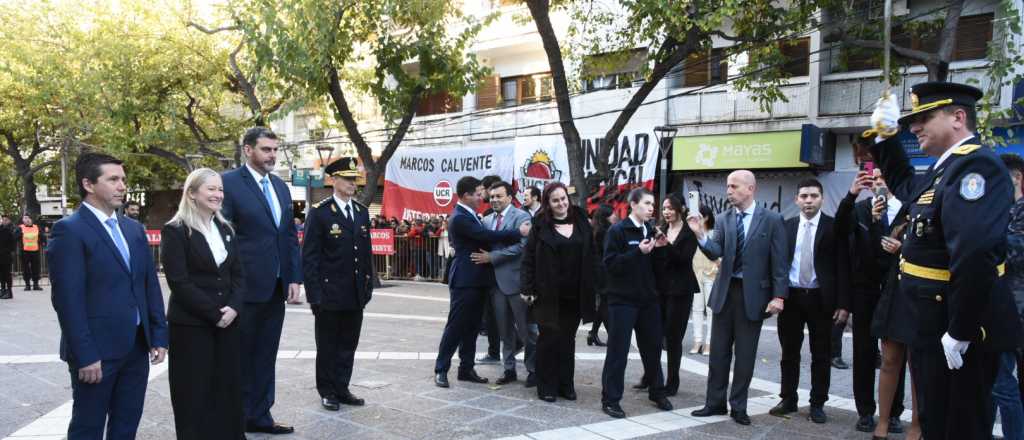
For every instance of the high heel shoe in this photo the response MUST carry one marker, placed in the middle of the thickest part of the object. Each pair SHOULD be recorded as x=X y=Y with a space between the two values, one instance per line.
x=594 y=339
x=696 y=348
x=705 y=350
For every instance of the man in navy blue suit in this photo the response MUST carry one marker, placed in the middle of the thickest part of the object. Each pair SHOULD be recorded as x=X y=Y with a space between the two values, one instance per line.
x=108 y=302
x=468 y=282
x=260 y=208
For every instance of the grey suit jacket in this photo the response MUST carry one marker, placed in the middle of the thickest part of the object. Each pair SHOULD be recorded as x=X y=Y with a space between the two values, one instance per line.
x=765 y=272
x=506 y=259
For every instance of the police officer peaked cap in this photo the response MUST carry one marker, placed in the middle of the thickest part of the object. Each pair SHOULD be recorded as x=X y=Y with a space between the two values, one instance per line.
x=343 y=167
x=929 y=96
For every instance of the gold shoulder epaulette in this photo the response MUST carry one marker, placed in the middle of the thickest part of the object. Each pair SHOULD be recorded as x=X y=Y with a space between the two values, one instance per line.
x=320 y=203
x=356 y=202
x=966 y=149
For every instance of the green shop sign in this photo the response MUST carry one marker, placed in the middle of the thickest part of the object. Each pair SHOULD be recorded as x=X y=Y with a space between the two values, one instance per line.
x=779 y=149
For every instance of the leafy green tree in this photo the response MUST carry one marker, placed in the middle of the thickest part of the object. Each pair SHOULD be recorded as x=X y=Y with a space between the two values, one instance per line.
x=392 y=52
x=670 y=32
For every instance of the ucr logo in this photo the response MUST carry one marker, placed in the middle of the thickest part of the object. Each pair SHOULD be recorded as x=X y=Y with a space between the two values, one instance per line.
x=443 y=193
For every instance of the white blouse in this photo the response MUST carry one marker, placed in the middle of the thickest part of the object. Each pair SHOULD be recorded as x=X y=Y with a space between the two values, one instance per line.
x=216 y=242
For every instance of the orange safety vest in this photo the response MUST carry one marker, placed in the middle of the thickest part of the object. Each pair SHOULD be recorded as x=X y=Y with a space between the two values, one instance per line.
x=29 y=238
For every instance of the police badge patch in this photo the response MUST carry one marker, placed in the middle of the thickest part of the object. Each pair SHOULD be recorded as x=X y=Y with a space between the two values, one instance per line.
x=972 y=187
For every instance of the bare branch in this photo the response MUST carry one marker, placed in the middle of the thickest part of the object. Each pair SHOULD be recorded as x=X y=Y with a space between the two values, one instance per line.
x=209 y=31
x=43 y=165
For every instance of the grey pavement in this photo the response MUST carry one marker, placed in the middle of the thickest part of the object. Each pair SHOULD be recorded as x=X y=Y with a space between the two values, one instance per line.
x=405 y=319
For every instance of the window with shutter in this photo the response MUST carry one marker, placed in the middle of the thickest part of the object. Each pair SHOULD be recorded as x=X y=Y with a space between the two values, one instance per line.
x=438 y=103
x=489 y=92
x=973 y=34
x=797 y=54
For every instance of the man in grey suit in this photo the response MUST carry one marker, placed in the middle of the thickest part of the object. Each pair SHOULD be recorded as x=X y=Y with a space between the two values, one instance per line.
x=752 y=284
x=510 y=311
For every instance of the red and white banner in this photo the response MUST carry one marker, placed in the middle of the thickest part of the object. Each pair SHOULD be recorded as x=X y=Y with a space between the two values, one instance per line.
x=382 y=241
x=153 y=236
x=420 y=182
x=543 y=159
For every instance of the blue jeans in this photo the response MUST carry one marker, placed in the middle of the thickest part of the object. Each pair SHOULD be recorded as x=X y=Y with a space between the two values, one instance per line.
x=1006 y=397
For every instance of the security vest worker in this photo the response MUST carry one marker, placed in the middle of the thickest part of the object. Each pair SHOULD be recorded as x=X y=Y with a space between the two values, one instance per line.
x=953 y=256
x=338 y=272
x=31 y=241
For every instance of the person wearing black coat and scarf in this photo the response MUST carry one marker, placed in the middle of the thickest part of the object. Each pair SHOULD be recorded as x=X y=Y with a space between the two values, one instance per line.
x=633 y=303
x=676 y=284
x=557 y=283
x=206 y=278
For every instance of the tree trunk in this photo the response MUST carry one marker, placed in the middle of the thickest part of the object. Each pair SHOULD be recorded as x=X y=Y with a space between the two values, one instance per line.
x=540 y=10
x=28 y=185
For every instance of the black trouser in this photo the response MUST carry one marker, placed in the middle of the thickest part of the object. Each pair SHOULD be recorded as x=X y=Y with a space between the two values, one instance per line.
x=556 y=350
x=30 y=267
x=675 y=313
x=261 y=336
x=460 y=331
x=954 y=404
x=337 y=336
x=623 y=318
x=805 y=307
x=205 y=382
x=602 y=314
x=865 y=356
x=491 y=325
x=6 y=281
x=731 y=327
x=836 y=340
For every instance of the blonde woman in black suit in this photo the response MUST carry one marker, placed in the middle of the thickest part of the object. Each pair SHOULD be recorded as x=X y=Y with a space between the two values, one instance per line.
x=206 y=281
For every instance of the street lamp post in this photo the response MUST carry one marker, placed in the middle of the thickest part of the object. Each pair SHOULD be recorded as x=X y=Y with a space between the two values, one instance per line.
x=664 y=135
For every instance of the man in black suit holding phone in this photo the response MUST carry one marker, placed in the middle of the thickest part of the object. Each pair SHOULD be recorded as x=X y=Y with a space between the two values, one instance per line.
x=817 y=299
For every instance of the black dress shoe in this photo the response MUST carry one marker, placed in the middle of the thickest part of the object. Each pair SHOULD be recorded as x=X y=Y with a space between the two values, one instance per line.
x=895 y=425
x=662 y=403
x=740 y=417
x=708 y=411
x=547 y=398
x=614 y=410
x=672 y=387
x=786 y=406
x=594 y=339
x=350 y=399
x=509 y=377
x=567 y=394
x=441 y=380
x=817 y=414
x=531 y=380
x=839 y=364
x=865 y=424
x=330 y=403
x=275 y=429
x=471 y=376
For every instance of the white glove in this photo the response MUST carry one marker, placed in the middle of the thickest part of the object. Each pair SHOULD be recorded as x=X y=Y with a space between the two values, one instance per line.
x=954 y=350
x=885 y=118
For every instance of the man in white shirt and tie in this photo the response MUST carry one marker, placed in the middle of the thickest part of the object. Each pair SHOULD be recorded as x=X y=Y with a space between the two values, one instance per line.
x=816 y=299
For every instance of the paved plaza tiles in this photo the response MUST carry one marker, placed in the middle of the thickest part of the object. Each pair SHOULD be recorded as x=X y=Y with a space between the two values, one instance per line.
x=393 y=372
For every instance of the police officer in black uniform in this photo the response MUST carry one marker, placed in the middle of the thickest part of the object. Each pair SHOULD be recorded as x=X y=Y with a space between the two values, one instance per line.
x=338 y=275
x=953 y=256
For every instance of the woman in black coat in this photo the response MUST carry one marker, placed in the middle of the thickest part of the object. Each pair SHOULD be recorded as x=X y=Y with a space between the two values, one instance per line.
x=673 y=270
x=556 y=279
x=205 y=276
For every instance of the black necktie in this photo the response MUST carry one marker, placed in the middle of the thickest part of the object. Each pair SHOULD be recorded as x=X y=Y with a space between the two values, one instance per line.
x=348 y=212
x=741 y=237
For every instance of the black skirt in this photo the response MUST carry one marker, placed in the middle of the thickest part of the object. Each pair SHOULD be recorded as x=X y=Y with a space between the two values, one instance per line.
x=895 y=315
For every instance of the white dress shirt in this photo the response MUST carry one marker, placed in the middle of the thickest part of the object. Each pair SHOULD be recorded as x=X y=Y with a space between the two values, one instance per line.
x=258 y=176
x=746 y=222
x=103 y=217
x=343 y=205
x=503 y=214
x=794 y=269
x=216 y=242
x=892 y=208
